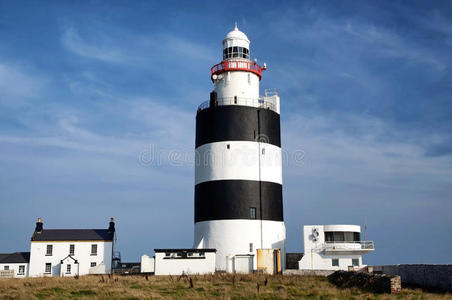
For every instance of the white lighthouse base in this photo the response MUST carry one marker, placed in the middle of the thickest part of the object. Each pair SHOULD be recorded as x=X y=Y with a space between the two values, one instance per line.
x=232 y=237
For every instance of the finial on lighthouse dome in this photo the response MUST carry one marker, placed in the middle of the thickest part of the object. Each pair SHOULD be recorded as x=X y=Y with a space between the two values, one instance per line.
x=236 y=44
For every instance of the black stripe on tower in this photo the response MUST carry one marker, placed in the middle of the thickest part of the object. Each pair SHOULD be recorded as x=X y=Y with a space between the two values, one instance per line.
x=237 y=123
x=233 y=199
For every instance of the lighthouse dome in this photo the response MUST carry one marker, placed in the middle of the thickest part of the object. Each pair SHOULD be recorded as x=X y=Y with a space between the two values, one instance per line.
x=237 y=34
x=236 y=45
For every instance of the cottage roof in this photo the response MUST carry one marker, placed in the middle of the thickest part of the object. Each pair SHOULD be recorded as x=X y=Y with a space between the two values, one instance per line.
x=73 y=235
x=16 y=257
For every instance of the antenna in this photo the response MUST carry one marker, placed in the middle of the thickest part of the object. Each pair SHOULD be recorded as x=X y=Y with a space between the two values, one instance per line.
x=365 y=228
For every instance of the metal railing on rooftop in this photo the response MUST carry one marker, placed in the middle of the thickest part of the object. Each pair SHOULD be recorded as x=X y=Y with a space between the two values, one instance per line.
x=259 y=103
x=349 y=245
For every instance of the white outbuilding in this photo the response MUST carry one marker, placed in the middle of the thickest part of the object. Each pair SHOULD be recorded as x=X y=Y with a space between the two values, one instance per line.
x=14 y=265
x=184 y=261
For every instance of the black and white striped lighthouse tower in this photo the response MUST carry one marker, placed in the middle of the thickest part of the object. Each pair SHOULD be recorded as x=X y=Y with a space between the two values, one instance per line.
x=238 y=172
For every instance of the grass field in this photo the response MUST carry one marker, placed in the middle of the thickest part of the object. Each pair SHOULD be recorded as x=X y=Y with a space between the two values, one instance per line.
x=218 y=286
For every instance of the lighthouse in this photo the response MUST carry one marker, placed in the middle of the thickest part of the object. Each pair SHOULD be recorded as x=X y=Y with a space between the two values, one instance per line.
x=238 y=165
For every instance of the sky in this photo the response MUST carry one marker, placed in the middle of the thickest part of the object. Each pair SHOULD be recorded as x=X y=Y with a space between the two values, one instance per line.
x=98 y=102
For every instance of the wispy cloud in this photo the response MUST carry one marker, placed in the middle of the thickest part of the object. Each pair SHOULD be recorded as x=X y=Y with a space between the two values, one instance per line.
x=100 y=49
x=391 y=44
x=134 y=49
x=18 y=86
x=367 y=157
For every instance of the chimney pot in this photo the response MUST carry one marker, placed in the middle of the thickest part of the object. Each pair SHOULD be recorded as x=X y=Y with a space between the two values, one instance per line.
x=111 y=226
x=39 y=226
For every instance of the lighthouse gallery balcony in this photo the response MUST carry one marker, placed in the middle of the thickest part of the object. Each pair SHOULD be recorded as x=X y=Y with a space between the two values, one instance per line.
x=263 y=102
x=348 y=247
x=237 y=65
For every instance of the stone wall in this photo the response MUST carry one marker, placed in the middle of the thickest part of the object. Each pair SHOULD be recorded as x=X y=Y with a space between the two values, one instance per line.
x=436 y=277
x=375 y=283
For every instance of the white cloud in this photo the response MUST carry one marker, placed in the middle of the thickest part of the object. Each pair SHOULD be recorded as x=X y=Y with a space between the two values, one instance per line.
x=354 y=38
x=363 y=159
x=133 y=49
x=164 y=127
x=101 y=49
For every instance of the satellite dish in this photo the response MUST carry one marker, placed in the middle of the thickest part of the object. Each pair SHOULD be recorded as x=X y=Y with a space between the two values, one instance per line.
x=214 y=76
x=315 y=234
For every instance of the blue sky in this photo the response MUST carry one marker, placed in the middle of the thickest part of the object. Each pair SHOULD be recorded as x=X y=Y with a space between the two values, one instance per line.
x=88 y=89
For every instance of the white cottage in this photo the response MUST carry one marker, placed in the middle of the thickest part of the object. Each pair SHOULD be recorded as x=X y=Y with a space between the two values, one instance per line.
x=14 y=264
x=333 y=247
x=70 y=252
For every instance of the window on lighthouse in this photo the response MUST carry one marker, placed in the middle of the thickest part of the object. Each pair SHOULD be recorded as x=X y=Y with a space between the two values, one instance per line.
x=240 y=52
x=252 y=213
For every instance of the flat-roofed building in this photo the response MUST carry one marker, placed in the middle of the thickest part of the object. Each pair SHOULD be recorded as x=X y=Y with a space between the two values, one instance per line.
x=333 y=247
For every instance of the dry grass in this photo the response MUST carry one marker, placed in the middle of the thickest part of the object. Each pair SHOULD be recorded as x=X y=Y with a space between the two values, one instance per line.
x=218 y=286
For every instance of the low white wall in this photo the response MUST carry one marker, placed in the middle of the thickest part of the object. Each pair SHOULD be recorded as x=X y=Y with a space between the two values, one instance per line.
x=99 y=269
x=147 y=264
x=179 y=266
x=309 y=272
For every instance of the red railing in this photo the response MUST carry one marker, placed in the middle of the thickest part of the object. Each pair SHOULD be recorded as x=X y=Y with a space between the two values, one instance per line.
x=237 y=65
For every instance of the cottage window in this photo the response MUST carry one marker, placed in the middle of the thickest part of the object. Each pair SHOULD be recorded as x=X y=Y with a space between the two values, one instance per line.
x=335 y=262
x=355 y=262
x=93 y=264
x=6 y=268
x=251 y=247
x=49 y=250
x=48 y=268
x=71 y=249
x=93 y=249
x=68 y=269
x=21 y=270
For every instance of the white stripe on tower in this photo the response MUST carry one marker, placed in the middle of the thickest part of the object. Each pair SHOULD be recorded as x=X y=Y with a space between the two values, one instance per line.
x=238 y=160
